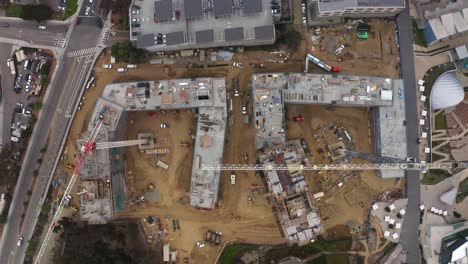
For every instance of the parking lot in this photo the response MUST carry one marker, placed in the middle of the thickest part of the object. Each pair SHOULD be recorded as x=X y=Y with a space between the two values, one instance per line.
x=29 y=71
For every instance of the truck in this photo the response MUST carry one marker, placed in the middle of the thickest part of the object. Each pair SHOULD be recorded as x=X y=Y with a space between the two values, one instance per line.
x=320 y=64
x=2 y=203
x=12 y=68
x=246 y=120
x=233 y=178
x=162 y=164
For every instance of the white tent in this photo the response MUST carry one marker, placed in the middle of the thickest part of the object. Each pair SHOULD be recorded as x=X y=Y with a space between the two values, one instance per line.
x=447 y=91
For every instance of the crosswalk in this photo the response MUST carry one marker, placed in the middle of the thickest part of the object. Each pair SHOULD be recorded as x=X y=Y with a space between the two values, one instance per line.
x=80 y=53
x=103 y=37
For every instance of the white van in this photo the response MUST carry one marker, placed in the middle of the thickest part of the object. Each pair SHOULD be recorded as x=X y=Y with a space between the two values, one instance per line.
x=26 y=64
x=132 y=66
x=122 y=70
x=14 y=139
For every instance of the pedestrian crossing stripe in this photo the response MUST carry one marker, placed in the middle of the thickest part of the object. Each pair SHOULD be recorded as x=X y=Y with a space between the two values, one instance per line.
x=82 y=52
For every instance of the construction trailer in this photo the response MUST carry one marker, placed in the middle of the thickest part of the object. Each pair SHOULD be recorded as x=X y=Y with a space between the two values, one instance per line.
x=162 y=164
x=157 y=151
x=166 y=253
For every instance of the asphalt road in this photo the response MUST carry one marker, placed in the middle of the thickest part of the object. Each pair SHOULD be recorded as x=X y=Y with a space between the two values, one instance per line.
x=63 y=94
x=410 y=229
x=8 y=100
x=29 y=31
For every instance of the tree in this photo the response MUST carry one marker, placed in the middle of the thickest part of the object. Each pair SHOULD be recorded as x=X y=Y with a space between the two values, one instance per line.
x=36 y=12
x=387 y=209
x=6 y=164
x=45 y=69
x=456 y=214
x=126 y=52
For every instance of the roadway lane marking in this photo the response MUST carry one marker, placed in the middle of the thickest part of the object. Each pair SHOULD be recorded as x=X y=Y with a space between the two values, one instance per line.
x=81 y=53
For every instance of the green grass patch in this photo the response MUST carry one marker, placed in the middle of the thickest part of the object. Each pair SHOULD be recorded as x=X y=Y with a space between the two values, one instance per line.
x=435 y=176
x=436 y=157
x=70 y=9
x=462 y=191
x=445 y=148
x=418 y=35
x=436 y=143
x=14 y=10
x=342 y=259
x=230 y=253
x=318 y=246
x=440 y=121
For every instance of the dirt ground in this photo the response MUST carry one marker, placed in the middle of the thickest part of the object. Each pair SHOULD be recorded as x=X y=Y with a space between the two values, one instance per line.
x=256 y=223
x=352 y=201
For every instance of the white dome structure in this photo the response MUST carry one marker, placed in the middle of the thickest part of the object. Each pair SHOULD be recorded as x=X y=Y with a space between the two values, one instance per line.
x=447 y=91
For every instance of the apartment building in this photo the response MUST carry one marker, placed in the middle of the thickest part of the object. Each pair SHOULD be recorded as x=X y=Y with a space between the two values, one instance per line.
x=323 y=12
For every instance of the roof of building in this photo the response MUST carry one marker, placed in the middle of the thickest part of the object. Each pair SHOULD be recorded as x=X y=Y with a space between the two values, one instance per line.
x=252 y=6
x=234 y=34
x=163 y=10
x=175 y=38
x=144 y=41
x=449 y=197
x=222 y=7
x=462 y=52
x=205 y=36
x=193 y=8
x=447 y=91
x=336 y=5
x=446 y=25
x=265 y=32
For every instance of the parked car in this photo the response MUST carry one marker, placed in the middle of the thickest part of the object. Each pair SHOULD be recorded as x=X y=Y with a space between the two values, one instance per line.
x=107 y=66
x=8 y=62
x=339 y=50
x=244 y=107
x=20 y=104
x=42 y=27
x=164 y=125
x=122 y=70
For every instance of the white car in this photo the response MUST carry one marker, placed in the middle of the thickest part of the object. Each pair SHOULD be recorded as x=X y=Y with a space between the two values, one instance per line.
x=238 y=65
x=107 y=66
x=88 y=8
x=20 y=104
x=135 y=20
x=164 y=125
x=42 y=27
x=135 y=12
x=91 y=1
x=339 y=50
x=20 y=241
x=8 y=62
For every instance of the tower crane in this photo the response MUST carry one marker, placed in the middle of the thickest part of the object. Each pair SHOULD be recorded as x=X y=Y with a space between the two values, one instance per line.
x=380 y=163
x=86 y=150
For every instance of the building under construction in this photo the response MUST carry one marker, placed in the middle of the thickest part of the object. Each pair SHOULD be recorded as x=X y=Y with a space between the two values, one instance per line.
x=104 y=167
x=385 y=96
x=295 y=212
x=293 y=208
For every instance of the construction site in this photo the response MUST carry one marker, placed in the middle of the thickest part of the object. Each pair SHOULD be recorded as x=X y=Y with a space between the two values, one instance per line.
x=169 y=136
